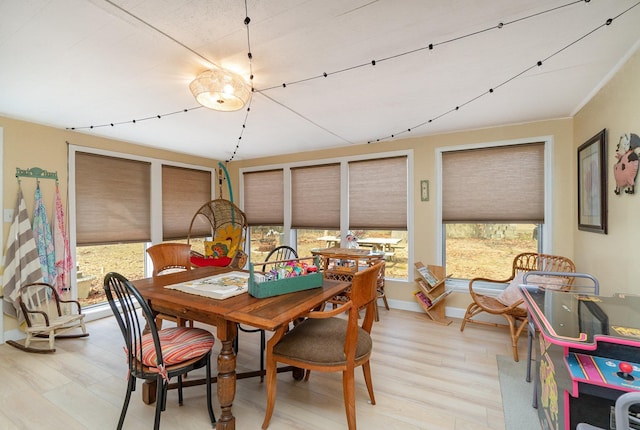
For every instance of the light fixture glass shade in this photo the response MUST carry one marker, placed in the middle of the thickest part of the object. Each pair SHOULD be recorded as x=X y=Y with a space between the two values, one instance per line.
x=220 y=90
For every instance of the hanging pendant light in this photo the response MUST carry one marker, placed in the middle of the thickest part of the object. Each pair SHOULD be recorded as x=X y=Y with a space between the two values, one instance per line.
x=220 y=89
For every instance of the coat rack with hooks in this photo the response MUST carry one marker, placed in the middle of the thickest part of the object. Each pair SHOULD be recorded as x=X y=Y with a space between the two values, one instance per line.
x=36 y=172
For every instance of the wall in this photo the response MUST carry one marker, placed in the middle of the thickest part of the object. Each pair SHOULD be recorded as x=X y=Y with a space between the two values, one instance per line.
x=29 y=145
x=613 y=258
x=424 y=213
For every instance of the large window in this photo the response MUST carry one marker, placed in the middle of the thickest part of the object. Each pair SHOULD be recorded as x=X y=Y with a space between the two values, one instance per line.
x=119 y=205
x=493 y=208
x=327 y=201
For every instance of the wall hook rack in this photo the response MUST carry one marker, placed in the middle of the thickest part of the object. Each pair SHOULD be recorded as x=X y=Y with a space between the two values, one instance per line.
x=36 y=172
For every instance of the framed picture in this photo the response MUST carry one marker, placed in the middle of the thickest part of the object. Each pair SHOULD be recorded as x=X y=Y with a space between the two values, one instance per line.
x=592 y=184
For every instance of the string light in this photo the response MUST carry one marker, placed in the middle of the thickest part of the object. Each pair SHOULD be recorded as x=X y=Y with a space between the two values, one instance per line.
x=247 y=20
x=491 y=90
x=430 y=47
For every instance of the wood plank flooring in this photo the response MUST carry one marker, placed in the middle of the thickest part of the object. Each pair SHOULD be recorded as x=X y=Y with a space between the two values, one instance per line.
x=425 y=376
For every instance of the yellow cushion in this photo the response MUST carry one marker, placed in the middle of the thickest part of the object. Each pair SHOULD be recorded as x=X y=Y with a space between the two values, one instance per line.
x=217 y=248
x=231 y=236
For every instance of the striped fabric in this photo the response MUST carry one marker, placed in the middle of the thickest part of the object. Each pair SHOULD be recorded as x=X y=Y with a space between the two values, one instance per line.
x=178 y=344
x=21 y=261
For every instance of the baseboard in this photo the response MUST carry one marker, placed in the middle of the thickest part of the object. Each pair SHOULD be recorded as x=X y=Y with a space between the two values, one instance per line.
x=450 y=312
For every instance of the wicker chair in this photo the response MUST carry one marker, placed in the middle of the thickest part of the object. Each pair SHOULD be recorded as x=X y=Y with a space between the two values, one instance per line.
x=227 y=224
x=168 y=258
x=515 y=314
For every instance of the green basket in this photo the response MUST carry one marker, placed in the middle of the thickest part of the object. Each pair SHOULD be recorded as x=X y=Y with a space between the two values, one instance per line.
x=283 y=286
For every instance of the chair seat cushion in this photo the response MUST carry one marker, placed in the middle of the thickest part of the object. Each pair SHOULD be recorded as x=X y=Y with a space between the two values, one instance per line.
x=549 y=282
x=178 y=344
x=511 y=294
x=321 y=341
x=204 y=261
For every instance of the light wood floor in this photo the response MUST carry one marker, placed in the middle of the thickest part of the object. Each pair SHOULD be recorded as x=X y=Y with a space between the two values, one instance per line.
x=425 y=376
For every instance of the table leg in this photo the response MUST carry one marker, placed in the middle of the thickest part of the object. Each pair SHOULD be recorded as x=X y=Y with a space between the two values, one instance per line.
x=226 y=379
x=149 y=392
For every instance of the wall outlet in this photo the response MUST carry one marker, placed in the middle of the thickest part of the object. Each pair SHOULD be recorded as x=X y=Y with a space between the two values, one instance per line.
x=8 y=215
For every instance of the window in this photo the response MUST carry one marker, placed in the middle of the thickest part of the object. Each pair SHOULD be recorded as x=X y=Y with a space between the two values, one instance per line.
x=330 y=197
x=184 y=191
x=120 y=204
x=493 y=208
x=264 y=209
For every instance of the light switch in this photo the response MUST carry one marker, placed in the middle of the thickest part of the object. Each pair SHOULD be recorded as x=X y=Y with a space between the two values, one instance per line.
x=8 y=215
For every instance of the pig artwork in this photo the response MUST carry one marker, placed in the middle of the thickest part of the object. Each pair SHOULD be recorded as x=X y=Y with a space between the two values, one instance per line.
x=626 y=168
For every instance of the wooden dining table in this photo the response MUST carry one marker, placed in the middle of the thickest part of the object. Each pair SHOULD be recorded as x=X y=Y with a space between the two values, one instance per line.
x=265 y=313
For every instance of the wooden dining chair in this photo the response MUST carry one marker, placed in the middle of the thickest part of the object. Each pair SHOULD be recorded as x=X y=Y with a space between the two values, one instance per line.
x=326 y=343
x=509 y=304
x=168 y=258
x=158 y=355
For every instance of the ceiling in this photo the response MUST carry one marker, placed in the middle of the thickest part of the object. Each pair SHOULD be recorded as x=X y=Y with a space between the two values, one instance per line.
x=82 y=63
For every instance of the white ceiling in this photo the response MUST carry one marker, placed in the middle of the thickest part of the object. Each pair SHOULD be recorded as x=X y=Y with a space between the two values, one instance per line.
x=82 y=63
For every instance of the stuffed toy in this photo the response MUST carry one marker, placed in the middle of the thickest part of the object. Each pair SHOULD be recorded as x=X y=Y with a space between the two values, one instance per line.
x=626 y=168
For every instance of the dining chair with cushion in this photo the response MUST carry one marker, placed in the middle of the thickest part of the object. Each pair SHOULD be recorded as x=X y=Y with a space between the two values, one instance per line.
x=158 y=355
x=279 y=253
x=169 y=258
x=509 y=304
x=327 y=343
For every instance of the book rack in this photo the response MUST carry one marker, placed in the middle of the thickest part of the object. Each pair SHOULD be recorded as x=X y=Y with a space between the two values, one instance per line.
x=431 y=292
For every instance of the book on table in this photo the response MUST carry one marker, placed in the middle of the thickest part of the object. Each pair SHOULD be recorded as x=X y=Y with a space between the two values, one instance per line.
x=219 y=287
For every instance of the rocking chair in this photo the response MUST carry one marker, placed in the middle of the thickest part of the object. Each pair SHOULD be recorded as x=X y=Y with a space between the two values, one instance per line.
x=48 y=317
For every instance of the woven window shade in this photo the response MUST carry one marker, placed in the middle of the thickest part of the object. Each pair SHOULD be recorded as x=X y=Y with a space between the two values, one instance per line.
x=184 y=191
x=378 y=194
x=501 y=184
x=315 y=197
x=264 y=197
x=113 y=200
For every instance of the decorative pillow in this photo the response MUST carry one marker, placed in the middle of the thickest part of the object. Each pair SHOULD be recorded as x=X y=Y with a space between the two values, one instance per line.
x=178 y=344
x=230 y=235
x=549 y=282
x=217 y=249
x=511 y=294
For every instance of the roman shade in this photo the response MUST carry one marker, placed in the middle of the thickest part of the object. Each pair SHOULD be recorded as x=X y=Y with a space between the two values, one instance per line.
x=113 y=200
x=503 y=184
x=315 y=196
x=264 y=197
x=184 y=191
x=378 y=194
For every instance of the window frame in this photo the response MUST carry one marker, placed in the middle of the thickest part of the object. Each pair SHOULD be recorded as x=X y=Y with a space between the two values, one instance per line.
x=546 y=230
x=155 y=192
x=289 y=237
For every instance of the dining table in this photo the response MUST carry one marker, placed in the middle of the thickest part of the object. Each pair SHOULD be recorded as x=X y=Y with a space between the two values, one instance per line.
x=264 y=313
